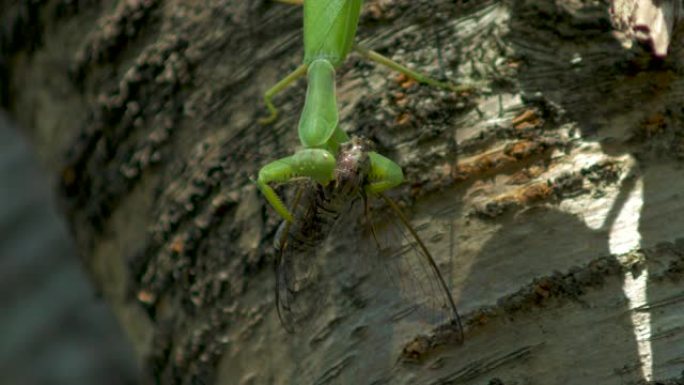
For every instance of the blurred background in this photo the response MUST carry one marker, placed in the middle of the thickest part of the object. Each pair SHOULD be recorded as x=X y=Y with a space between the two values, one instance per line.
x=53 y=329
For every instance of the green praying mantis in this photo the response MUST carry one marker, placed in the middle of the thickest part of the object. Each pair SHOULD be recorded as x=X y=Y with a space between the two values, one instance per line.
x=329 y=31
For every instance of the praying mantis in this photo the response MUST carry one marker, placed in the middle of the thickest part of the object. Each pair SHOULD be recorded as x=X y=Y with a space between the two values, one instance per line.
x=329 y=31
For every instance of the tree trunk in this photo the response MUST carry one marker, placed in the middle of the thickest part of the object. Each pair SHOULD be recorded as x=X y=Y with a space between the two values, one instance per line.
x=550 y=198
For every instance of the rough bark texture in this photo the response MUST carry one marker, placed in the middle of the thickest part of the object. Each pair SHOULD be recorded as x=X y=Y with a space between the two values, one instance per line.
x=551 y=198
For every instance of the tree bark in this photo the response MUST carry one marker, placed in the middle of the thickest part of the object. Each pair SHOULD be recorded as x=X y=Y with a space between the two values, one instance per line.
x=551 y=198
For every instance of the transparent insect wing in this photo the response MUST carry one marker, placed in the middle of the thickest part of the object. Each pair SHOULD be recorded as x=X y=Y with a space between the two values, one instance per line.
x=298 y=286
x=302 y=283
x=409 y=267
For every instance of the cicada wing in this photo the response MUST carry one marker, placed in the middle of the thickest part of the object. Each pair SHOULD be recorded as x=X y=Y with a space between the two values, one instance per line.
x=297 y=286
x=411 y=269
x=301 y=288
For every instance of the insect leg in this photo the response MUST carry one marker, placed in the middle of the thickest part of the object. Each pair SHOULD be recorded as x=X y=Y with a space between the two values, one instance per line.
x=384 y=174
x=315 y=163
x=418 y=76
x=292 y=2
x=280 y=86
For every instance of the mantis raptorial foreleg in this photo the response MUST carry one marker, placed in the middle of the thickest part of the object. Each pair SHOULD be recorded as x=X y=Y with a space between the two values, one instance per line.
x=384 y=174
x=280 y=86
x=315 y=163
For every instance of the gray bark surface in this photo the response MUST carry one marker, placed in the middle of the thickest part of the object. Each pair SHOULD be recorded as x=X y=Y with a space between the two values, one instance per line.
x=551 y=198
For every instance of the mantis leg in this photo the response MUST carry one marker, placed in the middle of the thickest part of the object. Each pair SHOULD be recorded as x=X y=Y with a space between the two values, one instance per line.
x=384 y=174
x=419 y=77
x=315 y=163
x=293 y=2
x=281 y=85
